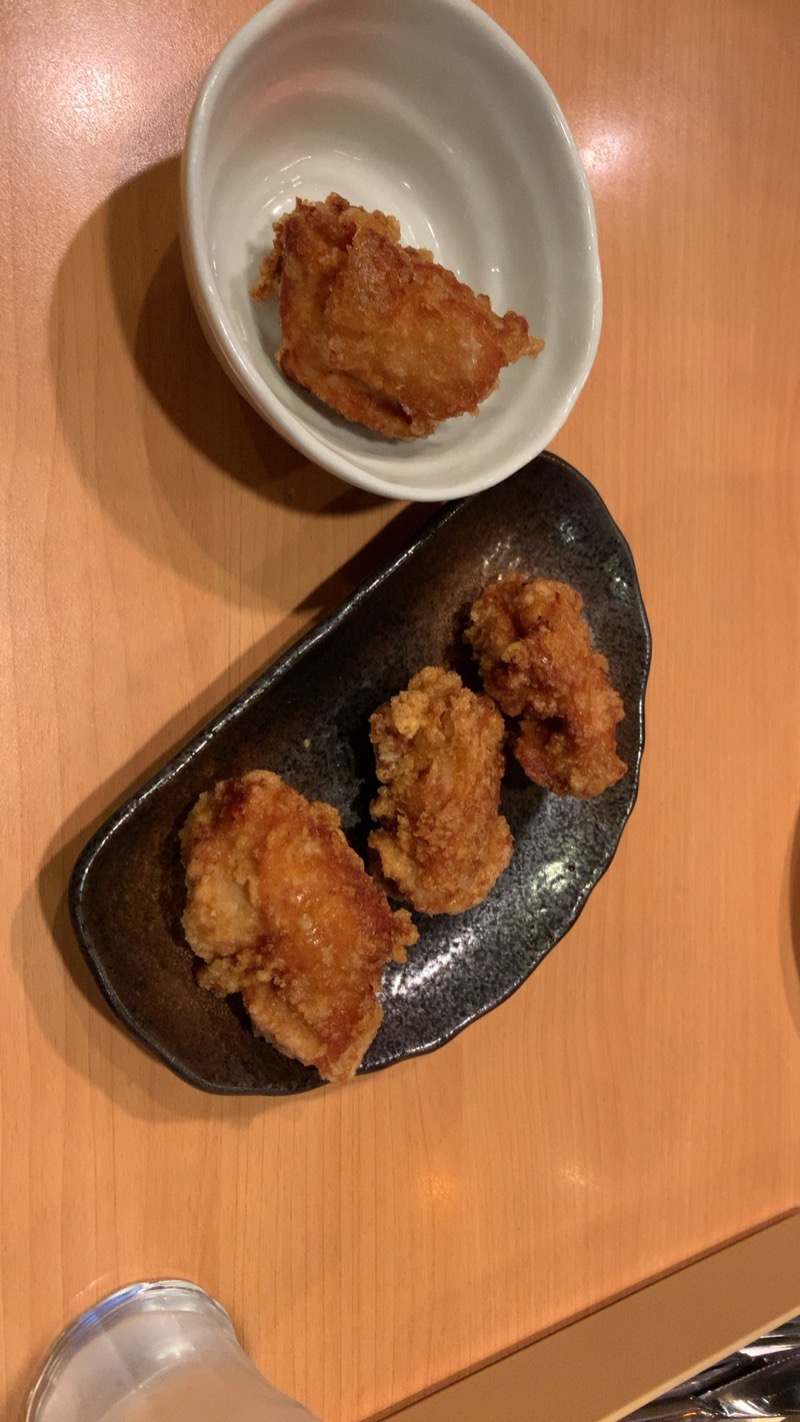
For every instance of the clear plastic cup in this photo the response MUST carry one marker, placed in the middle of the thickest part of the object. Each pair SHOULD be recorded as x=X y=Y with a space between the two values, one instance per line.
x=155 y=1352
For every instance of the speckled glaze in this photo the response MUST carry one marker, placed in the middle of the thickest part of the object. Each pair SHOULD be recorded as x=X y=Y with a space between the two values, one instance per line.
x=306 y=717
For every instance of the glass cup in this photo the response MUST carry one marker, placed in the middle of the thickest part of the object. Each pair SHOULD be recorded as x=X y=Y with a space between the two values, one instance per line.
x=155 y=1352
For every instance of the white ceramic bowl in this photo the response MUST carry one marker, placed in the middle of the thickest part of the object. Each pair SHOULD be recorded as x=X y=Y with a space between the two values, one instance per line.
x=427 y=110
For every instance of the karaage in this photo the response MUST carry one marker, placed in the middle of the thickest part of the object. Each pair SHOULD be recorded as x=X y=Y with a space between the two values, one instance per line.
x=538 y=662
x=282 y=910
x=379 y=331
x=442 y=841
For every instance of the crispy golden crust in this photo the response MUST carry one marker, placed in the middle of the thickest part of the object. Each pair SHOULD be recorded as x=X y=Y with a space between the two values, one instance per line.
x=377 y=330
x=538 y=662
x=442 y=842
x=282 y=910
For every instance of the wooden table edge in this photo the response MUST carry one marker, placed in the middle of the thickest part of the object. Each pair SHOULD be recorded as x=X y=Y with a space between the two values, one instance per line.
x=603 y=1366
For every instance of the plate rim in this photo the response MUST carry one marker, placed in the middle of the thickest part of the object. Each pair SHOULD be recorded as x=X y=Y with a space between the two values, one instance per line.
x=273 y=672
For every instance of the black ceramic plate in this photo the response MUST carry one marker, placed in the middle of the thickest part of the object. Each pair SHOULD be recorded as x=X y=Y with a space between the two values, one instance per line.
x=306 y=718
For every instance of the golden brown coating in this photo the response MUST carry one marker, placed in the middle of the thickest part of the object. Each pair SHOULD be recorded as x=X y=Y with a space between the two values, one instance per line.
x=442 y=842
x=377 y=330
x=538 y=662
x=282 y=910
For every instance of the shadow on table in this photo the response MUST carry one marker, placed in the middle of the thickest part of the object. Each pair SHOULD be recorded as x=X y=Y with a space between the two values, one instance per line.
x=790 y=938
x=121 y=306
x=110 y=1058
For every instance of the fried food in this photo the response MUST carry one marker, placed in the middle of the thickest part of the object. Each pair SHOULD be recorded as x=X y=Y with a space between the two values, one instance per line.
x=442 y=841
x=379 y=331
x=538 y=662
x=282 y=910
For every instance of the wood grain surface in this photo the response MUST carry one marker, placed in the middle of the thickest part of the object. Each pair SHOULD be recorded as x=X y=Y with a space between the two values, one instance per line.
x=638 y=1101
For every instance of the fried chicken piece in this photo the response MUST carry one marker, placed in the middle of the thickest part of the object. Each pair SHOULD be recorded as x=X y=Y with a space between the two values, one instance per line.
x=282 y=910
x=377 y=330
x=538 y=662
x=439 y=753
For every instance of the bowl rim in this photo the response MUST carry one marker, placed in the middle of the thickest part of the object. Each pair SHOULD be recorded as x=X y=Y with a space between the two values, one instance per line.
x=219 y=328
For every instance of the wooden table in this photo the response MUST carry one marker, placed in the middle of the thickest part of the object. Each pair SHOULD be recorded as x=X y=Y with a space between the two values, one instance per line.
x=638 y=1101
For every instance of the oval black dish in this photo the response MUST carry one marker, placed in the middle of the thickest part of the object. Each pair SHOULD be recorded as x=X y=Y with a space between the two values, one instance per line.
x=306 y=717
